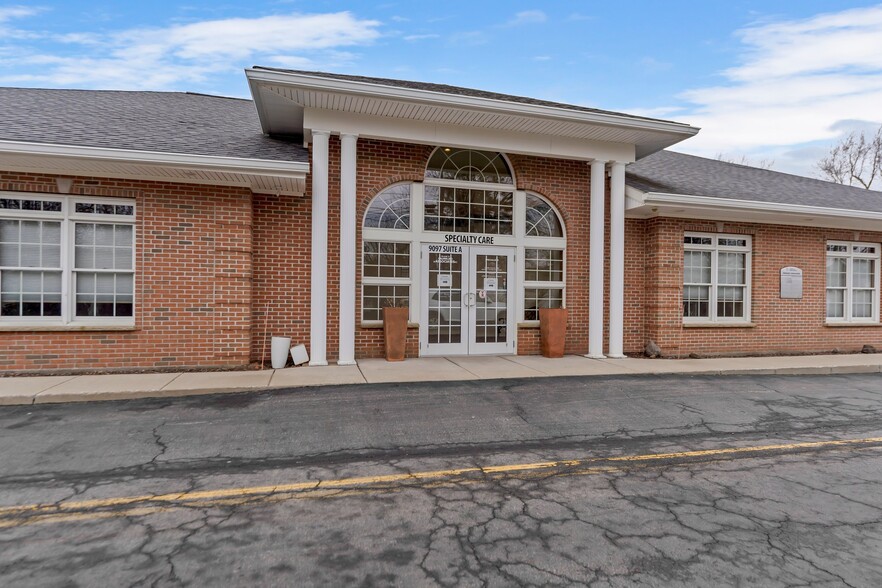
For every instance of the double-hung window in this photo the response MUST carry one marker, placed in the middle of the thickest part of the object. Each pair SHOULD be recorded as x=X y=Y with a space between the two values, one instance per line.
x=716 y=278
x=66 y=260
x=852 y=282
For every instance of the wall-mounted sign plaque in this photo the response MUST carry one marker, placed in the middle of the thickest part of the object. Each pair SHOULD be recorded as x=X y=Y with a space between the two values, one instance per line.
x=791 y=282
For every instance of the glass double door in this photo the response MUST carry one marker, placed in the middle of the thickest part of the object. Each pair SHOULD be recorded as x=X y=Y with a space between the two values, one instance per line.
x=468 y=301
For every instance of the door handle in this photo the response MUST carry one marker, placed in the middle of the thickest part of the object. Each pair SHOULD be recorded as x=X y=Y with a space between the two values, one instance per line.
x=469 y=299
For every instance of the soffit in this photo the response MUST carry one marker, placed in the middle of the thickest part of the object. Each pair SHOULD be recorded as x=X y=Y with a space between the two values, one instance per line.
x=301 y=92
x=291 y=184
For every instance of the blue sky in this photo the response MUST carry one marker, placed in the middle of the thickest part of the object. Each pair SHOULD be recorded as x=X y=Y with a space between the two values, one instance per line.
x=768 y=80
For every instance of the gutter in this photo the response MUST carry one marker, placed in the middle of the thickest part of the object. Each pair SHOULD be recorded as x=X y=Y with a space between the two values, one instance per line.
x=262 y=167
x=659 y=198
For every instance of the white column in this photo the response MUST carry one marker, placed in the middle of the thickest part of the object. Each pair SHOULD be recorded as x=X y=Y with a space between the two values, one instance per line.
x=617 y=260
x=595 y=265
x=347 y=248
x=318 y=316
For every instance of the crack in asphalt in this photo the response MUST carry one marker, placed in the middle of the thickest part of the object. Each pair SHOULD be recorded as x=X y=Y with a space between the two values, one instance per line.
x=777 y=520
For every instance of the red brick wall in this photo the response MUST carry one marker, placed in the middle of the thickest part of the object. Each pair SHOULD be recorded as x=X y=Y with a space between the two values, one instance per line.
x=781 y=325
x=199 y=304
x=566 y=184
x=282 y=241
x=192 y=288
x=380 y=164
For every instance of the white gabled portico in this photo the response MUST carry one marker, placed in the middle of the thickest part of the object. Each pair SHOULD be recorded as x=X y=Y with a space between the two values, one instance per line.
x=300 y=103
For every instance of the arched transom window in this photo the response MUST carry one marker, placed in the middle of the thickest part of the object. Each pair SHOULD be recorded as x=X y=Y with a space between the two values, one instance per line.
x=464 y=191
x=390 y=209
x=468 y=191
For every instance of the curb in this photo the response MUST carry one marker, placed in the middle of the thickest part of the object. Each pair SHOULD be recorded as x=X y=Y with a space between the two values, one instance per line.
x=68 y=398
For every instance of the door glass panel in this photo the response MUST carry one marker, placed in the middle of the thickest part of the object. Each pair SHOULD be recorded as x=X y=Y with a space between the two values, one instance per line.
x=445 y=297
x=491 y=298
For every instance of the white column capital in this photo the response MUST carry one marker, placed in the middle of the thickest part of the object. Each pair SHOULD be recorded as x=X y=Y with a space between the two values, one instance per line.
x=320 y=133
x=349 y=135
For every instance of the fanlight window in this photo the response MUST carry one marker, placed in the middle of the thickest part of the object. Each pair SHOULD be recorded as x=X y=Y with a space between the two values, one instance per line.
x=542 y=220
x=390 y=209
x=469 y=166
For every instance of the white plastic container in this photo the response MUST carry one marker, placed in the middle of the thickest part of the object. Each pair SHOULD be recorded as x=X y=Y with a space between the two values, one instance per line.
x=279 y=351
x=299 y=354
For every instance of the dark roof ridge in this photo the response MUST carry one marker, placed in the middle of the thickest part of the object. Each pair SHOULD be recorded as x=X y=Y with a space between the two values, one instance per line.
x=461 y=91
x=763 y=170
x=105 y=90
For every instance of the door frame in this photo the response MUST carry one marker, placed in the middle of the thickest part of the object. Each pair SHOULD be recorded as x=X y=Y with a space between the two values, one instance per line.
x=467 y=344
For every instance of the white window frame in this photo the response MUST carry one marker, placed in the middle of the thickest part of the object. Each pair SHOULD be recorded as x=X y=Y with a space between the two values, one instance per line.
x=850 y=255
x=533 y=242
x=715 y=249
x=417 y=236
x=68 y=219
x=391 y=236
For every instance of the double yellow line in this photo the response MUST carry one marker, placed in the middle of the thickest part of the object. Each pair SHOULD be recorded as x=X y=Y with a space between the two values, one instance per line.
x=126 y=506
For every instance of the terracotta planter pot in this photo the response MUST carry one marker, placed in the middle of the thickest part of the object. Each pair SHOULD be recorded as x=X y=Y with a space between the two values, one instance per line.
x=395 y=332
x=553 y=331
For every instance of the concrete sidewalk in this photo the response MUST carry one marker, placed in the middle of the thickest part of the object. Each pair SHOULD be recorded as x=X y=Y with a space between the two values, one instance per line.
x=49 y=389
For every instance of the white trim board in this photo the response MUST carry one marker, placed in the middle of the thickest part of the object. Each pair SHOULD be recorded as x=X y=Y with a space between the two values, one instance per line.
x=656 y=204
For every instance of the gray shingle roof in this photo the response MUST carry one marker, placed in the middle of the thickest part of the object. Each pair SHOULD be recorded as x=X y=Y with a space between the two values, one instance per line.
x=457 y=91
x=167 y=122
x=676 y=173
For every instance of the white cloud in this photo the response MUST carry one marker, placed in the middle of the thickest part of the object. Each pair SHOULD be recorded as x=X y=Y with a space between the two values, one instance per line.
x=796 y=84
x=11 y=12
x=180 y=55
x=411 y=38
x=527 y=17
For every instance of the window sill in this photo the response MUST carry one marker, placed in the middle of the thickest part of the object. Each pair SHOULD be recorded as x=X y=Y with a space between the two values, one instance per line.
x=854 y=324
x=33 y=327
x=379 y=325
x=529 y=325
x=719 y=325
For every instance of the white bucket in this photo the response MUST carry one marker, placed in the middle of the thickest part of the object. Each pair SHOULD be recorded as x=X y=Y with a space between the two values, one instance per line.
x=280 y=348
x=299 y=354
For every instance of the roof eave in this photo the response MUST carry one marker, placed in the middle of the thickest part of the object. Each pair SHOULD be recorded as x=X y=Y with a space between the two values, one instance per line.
x=650 y=204
x=260 y=175
x=214 y=162
x=680 y=131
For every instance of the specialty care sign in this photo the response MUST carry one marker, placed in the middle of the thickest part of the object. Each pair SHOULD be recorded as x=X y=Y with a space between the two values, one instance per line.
x=791 y=282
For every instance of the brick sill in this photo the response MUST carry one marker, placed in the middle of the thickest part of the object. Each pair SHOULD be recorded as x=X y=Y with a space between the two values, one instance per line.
x=852 y=325
x=35 y=328
x=529 y=325
x=379 y=325
x=719 y=325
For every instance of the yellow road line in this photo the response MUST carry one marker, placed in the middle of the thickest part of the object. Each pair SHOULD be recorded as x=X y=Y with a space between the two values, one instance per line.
x=149 y=503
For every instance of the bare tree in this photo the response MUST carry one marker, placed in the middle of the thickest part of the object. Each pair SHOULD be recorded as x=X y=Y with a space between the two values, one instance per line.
x=855 y=161
x=744 y=160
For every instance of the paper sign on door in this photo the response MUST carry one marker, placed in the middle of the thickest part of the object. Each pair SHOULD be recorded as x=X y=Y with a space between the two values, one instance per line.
x=490 y=284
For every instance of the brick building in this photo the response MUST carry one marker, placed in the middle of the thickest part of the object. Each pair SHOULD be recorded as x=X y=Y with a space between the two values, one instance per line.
x=145 y=229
